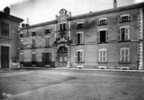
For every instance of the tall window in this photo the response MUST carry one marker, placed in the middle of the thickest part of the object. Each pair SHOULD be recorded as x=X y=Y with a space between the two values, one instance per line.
x=124 y=34
x=125 y=18
x=79 y=38
x=63 y=27
x=79 y=56
x=103 y=36
x=124 y=55
x=47 y=42
x=4 y=29
x=33 y=57
x=33 y=43
x=46 y=58
x=102 y=55
x=102 y=21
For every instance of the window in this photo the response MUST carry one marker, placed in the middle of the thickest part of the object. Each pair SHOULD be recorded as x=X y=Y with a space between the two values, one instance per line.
x=124 y=33
x=4 y=29
x=79 y=57
x=79 y=38
x=33 y=33
x=102 y=36
x=79 y=25
x=46 y=58
x=47 y=31
x=125 y=18
x=102 y=55
x=63 y=27
x=21 y=35
x=47 y=42
x=21 y=57
x=33 y=57
x=124 y=55
x=102 y=21
x=33 y=44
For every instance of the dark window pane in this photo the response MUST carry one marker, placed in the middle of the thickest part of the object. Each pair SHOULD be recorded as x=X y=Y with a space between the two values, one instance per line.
x=4 y=29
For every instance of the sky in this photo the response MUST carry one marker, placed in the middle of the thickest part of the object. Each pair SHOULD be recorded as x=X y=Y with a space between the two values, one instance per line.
x=38 y=11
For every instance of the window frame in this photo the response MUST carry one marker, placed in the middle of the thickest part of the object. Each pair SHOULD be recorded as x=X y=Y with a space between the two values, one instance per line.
x=81 y=56
x=124 y=55
x=102 y=55
x=100 y=23
x=47 y=31
x=33 y=34
x=126 y=35
x=81 y=38
x=106 y=35
x=47 y=42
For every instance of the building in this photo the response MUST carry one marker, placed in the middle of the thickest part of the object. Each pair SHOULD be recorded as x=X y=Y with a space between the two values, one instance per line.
x=111 y=39
x=8 y=38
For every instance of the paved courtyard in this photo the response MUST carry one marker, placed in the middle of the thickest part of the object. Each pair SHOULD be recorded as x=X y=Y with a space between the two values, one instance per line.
x=71 y=85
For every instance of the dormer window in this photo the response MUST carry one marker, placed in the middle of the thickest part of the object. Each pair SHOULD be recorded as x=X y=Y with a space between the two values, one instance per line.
x=125 y=18
x=79 y=25
x=47 y=31
x=33 y=33
x=102 y=21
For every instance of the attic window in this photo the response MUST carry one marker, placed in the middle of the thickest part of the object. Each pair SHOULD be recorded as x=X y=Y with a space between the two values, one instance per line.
x=102 y=21
x=47 y=31
x=33 y=33
x=79 y=25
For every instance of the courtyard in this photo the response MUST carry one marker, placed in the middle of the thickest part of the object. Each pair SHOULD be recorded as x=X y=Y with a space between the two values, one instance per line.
x=74 y=84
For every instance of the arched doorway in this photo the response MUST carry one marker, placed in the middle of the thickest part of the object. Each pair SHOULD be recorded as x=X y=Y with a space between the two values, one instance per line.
x=62 y=56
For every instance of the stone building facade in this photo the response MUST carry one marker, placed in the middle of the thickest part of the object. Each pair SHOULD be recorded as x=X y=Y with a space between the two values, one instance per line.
x=111 y=39
x=8 y=38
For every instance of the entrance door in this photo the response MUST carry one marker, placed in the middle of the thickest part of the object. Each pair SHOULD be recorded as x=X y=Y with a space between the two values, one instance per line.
x=5 y=57
x=62 y=56
x=47 y=58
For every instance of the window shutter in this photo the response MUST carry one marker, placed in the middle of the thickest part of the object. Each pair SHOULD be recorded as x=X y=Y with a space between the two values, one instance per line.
x=106 y=36
x=121 y=54
x=119 y=34
x=127 y=55
x=98 y=37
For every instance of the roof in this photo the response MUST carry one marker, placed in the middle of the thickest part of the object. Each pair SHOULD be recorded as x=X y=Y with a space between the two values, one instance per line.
x=118 y=9
x=10 y=17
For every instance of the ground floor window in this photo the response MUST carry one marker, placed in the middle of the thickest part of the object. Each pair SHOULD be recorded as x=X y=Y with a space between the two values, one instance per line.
x=124 y=55
x=33 y=57
x=46 y=58
x=79 y=56
x=102 y=55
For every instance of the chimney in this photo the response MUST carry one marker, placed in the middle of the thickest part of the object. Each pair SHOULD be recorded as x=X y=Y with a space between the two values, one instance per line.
x=115 y=4
x=7 y=10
